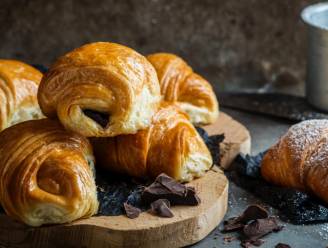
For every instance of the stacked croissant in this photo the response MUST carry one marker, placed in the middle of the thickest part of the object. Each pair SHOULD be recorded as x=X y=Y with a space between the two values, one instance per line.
x=134 y=114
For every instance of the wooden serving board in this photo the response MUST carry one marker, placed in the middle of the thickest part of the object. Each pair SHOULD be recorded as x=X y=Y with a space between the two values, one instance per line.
x=189 y=224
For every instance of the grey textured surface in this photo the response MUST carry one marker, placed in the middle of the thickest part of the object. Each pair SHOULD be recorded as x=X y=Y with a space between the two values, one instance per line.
x=233 y=43
x=264 y=132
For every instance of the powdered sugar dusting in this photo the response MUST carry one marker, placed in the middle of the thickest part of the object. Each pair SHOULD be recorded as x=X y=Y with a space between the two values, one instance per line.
x=304 y=135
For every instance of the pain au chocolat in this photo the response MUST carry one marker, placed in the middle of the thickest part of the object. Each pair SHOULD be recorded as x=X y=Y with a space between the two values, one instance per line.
x=299 y=159
x=180 y=85
x=19 y=84
x=46 y=174
x=170 y=145
x=101 y=89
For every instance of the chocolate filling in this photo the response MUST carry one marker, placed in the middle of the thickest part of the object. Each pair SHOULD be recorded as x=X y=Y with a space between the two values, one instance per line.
x=101 y=118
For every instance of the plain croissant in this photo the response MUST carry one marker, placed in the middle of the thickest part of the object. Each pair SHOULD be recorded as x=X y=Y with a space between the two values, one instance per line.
x=180 y=85
x=19 y=84
x=299 y=159
x=170 y=145
x=46 y=174
x=101 y=89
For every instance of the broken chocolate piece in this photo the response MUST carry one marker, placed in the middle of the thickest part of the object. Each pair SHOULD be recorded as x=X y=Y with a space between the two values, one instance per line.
x=261 y=227
x=161 y=207
x=165 y=187
x=131 y=211
x=281 y=245
x=172 y=185
x=100 y=117
x=230 y=225
x=253 y=212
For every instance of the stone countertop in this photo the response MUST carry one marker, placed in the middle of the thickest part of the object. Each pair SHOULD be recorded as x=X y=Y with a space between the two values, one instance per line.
x=264 y=132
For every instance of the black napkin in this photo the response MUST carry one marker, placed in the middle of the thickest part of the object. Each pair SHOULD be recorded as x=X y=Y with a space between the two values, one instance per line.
x=294 y=206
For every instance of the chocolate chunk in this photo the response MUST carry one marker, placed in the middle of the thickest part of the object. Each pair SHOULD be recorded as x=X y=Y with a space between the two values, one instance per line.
x=230 y=225
x=131 y=211
x=161 y=207
x=100 y=117
x=165 y=187
x=172 y=185
x=281 y=245
x=261 y=227
x=253 y=212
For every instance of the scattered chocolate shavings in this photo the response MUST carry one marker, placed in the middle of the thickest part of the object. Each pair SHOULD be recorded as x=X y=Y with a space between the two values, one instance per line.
x=165 y=187
x=253 y=212
x=131 y=212
x=161 y=207
x=212 y=143
x=281 y=245
x=252 y=224
x=261 y=227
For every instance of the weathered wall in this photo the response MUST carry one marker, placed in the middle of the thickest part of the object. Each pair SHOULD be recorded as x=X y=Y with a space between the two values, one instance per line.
x=233 y=43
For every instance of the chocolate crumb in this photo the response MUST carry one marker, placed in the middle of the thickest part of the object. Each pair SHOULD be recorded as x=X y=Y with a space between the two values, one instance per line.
x=165 y=187
x=161 y=207
x=253 y=212
x=228 y=239
x=131 y=211
x=281 y=245
x=261 y=227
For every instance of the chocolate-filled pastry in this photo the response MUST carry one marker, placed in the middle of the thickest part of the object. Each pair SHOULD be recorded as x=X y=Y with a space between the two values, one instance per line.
x=19 y=84
x=299 y=160
x=101 y=90
x=170 y=145
x=180 y=85
x=46 y=174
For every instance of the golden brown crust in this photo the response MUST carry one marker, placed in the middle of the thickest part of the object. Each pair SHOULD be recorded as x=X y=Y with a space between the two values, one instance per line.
x=299 y=159
x=19 y=83
x=170 y=145
x=180 y=85
x=46 y=174
x=103 y=77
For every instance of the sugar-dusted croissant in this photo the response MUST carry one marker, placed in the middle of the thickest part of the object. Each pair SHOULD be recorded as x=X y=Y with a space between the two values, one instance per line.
x=46 y=174
x=170 y=145
x=299 y=160
x=179 y=84
x=101 y=89
x=19 y=84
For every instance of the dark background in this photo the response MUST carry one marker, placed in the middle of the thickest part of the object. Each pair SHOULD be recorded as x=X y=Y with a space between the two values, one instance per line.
x=235 y=44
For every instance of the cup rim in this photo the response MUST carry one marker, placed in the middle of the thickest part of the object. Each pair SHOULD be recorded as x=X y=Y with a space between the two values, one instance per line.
x=308 y=12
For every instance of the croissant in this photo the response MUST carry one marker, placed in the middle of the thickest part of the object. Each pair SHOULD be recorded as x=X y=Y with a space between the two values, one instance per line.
x=170 y=145
x=101 y=89
x=18 y=93
x=180 y=85
x=46 y=174
x=299 y=159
